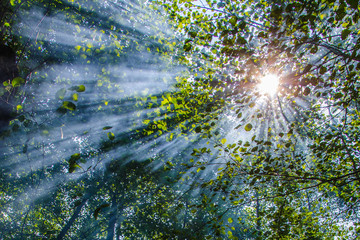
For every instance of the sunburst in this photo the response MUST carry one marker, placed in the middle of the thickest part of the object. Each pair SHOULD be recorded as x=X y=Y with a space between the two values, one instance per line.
x=269 y=84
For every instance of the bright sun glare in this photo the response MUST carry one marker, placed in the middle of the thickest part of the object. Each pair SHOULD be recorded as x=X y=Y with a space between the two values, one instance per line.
x=269 y=84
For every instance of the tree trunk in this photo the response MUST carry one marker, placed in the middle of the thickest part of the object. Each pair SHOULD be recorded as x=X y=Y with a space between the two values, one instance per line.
x=258 y=222
x=72 y=219
x=113 y=216
x=111 y=226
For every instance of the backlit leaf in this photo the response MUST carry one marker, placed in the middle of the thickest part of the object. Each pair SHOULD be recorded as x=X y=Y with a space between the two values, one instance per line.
x=233 y=20
x=248 y=127
x=75 y=96
x=81 y=88
x=17 y=81
x=111 y=136
x=69 y=105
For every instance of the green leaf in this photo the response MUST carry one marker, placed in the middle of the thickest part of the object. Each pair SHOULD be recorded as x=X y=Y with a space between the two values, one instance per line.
x=69 y=105
x=73 y=167
x=322 y=70
x=107 y=127
x=153 y=99
x=338 y=95
x=81 y=88
x=60 y=94
x=253 y=138
x=111 y=136
x=223 y=141
x=345 y=33
x=248 y=127
x=306 y=91
x=97 y=211
x=230 y=220
x=193 y=34
x=75 y=156
x=17 y=81
x=198 y=129
x=75 y=97
x=353 y=4
x=233 y=20
x=187 y=47
x=73 y=162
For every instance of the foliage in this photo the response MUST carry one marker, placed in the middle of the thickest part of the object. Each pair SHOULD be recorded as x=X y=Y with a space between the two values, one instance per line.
x=136 y=123
x=300 y=166
x=60 y=178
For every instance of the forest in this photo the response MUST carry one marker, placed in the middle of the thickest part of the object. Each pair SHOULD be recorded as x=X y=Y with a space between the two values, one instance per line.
x=179 y=119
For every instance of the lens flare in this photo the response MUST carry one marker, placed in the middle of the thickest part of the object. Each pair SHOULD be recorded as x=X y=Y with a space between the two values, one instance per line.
x=269 y=84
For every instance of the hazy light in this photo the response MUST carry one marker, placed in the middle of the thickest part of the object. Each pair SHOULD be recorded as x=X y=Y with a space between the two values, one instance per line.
x=269 y=84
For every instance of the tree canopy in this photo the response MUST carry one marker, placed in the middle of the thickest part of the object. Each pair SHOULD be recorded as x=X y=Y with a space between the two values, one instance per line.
x=159 y=120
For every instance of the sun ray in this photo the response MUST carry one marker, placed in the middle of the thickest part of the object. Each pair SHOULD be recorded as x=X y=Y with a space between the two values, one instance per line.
x=269 y=84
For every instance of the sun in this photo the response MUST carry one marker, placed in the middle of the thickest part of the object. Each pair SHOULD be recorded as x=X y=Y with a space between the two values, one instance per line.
x=269 y=84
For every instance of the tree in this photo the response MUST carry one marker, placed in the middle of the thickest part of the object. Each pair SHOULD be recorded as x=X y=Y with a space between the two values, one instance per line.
x=66 y=176
x=60 y=179
x=301 y=167
x=128 y=127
